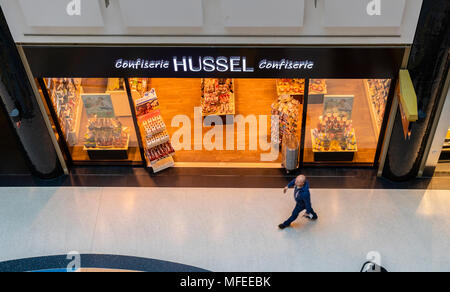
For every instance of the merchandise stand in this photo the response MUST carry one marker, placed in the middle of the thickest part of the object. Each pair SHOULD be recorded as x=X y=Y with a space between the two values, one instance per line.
x=72 y=137
x=156 y=141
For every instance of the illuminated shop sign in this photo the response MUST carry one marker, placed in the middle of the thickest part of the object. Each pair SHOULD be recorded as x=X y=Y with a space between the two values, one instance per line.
x=213 y=64
x=286 y=65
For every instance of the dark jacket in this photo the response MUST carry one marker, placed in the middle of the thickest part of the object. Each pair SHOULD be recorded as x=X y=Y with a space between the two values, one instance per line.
x=301 y=194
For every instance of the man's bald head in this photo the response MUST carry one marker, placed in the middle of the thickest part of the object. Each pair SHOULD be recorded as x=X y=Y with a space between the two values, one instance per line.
x=300 y=180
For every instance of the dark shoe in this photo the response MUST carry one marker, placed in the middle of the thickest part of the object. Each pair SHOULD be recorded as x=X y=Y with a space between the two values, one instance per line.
x=282 y=226
x=311 y=216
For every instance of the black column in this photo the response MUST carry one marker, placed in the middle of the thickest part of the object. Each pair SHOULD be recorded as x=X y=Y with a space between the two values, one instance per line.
x=16 y=93
x=428 y=65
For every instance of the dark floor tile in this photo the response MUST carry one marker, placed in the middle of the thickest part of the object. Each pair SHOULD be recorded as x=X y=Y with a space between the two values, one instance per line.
x=333 y=178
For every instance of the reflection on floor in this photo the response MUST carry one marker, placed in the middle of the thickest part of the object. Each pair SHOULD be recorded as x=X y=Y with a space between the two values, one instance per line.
x=230 y=229
x=180 y=96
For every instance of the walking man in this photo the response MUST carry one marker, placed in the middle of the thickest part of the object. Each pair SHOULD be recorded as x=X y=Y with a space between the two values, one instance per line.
x=302 y=197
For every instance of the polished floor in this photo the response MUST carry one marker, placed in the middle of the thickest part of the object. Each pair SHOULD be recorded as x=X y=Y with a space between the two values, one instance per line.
x=225 y=229
x=179 y=96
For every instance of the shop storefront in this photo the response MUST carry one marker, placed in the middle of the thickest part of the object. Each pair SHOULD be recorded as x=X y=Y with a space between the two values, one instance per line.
x=215 y=84
x=158 y=107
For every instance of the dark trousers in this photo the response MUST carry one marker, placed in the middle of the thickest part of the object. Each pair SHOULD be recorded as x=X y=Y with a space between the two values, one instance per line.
x=301 y=205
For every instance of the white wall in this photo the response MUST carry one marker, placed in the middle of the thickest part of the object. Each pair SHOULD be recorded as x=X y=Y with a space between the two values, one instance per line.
x=213 y=21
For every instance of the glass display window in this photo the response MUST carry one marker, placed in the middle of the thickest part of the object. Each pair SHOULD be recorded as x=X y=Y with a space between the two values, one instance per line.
x=230 y=121
x=344 y=120
x=94 y=118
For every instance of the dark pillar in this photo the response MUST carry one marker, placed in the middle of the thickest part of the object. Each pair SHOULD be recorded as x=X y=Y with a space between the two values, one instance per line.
x=16 y=93
x=428 y=65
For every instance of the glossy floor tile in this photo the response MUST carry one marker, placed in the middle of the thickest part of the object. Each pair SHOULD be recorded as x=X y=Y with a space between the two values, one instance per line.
x=230 y=229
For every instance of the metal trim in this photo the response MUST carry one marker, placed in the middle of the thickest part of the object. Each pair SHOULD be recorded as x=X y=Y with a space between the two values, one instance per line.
x=304 y=120
x=135 y=121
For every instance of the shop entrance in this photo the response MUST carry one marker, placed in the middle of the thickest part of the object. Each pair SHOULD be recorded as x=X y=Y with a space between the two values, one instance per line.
x=326 y=109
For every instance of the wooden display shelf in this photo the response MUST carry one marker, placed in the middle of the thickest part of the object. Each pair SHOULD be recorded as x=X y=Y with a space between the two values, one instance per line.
x=72 y=136
x=373 y=114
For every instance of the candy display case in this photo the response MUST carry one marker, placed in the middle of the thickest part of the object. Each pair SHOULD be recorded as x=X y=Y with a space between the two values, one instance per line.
x=217 y=97
x=106 y=138
x=334 y=139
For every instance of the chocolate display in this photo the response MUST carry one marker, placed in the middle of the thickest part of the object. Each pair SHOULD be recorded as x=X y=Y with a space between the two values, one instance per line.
x=288 y=110
x=147 y=104
x=157 y=139
x=106 y=133
x=334 y=133
x=218 y=96
x=66 y=101
x=297 y=86
x=153 y=125
x=157 y=147
x=159 y=152
x=291 y=86
x=139 y=84
x=317 y=86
